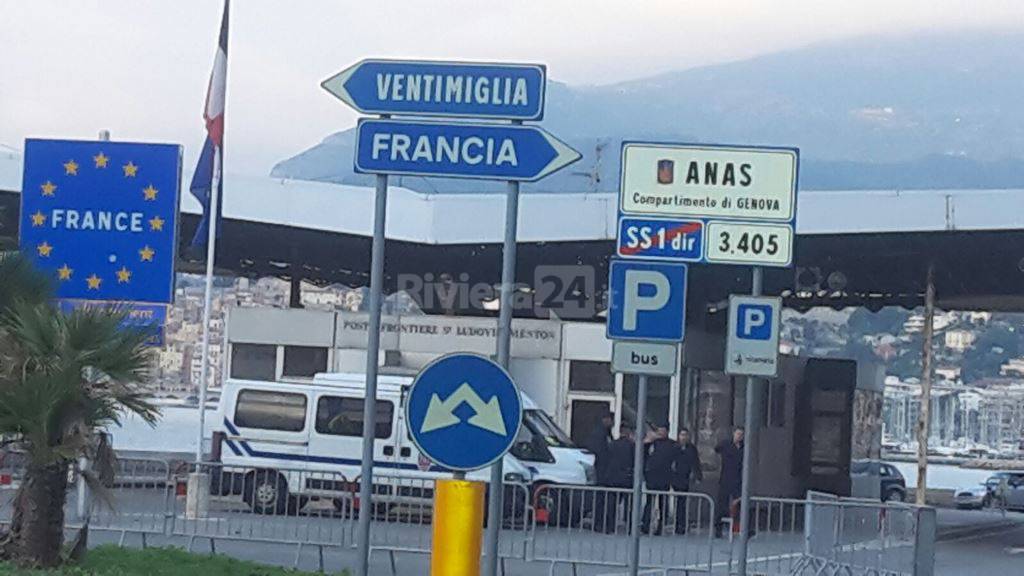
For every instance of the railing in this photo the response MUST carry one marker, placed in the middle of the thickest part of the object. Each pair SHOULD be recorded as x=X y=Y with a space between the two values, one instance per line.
x=135 y=498
x=403 y=517
x=12 y=468
x=826 y=533
x=590 y=526
x=554 y=524
x=282 y=505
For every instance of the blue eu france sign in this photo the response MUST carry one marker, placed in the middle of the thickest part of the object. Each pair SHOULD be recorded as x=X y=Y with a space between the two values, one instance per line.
x=463 y=411
x=459 y=150
x=101 y=217
x=646 y=300
x=453 y=89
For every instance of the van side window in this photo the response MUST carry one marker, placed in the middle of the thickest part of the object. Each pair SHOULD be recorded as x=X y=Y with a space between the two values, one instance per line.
x=266 y=410
x=341 y=416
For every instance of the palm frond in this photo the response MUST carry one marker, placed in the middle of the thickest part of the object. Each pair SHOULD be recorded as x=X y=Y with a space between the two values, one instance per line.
x=21 y=281
x=65 y=377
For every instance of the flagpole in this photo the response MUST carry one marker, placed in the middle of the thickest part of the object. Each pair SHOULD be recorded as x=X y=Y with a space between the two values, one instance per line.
x=211 y=249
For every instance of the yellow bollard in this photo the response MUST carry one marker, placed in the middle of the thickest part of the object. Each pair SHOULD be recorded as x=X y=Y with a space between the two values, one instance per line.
x=458 y=528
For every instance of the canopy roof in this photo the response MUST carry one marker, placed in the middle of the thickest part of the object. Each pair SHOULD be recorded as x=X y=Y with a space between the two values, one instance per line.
x=865 y=247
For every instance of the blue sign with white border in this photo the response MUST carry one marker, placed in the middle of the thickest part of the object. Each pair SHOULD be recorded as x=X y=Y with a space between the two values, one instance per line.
x=101 y=217
x=463 y=411
x=745 y=197
x=752 y=337
x=661 y=239
x=436 y=88
x=646 y=300
x=459 y=150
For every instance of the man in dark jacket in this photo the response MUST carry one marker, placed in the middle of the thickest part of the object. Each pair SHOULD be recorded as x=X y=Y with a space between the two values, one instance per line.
x=620 y=475
x=686 y=465
x=660 y=454
x=597 y=442
x=730 y=481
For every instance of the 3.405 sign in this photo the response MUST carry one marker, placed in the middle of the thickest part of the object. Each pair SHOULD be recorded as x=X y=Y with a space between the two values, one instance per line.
x=734 y=242
x=701 y=203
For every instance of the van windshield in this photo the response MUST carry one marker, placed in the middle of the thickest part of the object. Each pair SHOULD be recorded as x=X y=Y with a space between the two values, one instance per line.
x=542 y=425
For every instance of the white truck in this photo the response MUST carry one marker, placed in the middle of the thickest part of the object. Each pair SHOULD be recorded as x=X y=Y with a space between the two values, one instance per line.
x=287 y=441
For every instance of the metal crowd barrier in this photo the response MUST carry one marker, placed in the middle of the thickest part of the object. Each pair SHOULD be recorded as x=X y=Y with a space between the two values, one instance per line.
x=6 y=505
x=403 y=517
x=557 y=524
x=135 y=498
x=827 y=534
x=12 y=467
x=588 y=525
x=280 y=505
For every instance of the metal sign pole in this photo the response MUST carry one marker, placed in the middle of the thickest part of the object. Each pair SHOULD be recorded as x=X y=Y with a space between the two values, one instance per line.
x=638 y=475
x=508 y=278
x=750 y=437
x=372 y=352
x=211 y=255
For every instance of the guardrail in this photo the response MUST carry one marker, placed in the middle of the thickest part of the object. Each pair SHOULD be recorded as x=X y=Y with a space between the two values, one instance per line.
x=587 y=525
x=555 y=524
x=824 y=533
x=403 y=517
x=281 y=505
x=135 y=499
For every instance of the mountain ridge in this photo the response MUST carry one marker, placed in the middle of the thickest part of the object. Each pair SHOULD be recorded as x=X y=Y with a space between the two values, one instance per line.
x=926 y=111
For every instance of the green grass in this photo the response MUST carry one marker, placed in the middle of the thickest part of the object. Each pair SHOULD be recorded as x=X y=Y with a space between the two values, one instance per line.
x=114 y=561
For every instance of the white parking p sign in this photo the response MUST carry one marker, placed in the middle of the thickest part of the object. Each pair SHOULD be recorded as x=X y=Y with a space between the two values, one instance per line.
x=646 y=300
x=752 y=346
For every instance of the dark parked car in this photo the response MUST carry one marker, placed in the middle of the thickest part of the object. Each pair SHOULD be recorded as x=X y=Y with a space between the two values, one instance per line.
x=891 y=485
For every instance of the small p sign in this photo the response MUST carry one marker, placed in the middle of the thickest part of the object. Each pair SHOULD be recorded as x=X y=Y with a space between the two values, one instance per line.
x=752 y=347
x=646 y=300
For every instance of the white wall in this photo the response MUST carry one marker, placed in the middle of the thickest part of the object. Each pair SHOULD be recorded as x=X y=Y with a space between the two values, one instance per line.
x=586 y=341
x=539 y=379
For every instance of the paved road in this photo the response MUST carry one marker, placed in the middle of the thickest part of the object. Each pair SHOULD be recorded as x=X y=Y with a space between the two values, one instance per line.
x=981 y=543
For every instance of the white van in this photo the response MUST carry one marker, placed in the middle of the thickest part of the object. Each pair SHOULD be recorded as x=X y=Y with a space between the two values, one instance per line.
x=280 y=432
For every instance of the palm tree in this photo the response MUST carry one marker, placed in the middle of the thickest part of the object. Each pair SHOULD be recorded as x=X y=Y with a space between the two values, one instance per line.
x=63 y=379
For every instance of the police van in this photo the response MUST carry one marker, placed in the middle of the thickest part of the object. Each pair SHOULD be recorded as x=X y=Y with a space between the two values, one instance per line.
x=288 y=441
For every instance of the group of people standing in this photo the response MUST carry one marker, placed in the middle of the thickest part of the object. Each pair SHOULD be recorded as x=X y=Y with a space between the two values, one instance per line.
x=669 y=466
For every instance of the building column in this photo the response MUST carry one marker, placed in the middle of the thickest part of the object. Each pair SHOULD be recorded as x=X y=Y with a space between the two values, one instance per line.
x=926 y=387
x=295 y=291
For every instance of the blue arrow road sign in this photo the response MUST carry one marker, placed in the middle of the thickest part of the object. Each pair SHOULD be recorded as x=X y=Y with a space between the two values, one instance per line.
x=646 y=300
x=459 y=150
x=463 y=411
x=453 y=89
x=661 y=238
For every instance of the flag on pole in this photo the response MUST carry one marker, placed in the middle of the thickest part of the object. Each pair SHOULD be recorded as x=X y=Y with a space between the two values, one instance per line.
x=210 y=160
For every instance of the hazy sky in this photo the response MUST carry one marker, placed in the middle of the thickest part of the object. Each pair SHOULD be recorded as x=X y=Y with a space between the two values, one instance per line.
x=140 y=67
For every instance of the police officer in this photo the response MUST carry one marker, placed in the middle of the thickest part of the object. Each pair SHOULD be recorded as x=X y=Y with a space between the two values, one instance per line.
x=730 y=481
x=687 y=464
x=620 y=475
x=598 y=442
x=659 y=458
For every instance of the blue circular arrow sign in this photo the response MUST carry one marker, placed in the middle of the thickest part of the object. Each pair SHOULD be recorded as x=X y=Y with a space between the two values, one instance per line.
x=463 y=411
